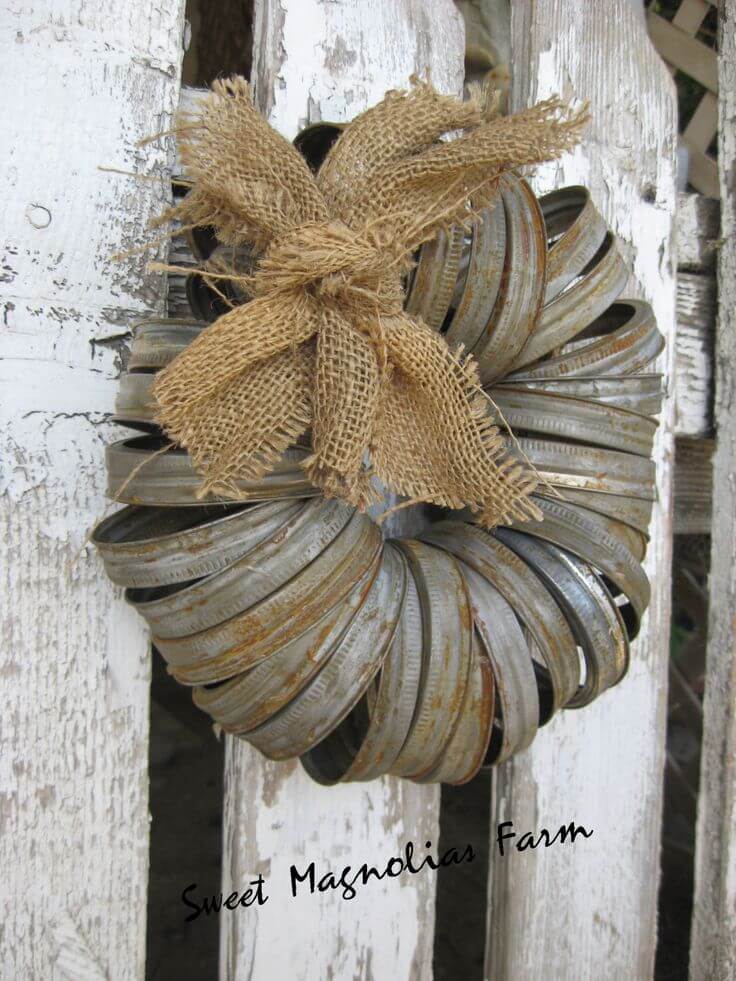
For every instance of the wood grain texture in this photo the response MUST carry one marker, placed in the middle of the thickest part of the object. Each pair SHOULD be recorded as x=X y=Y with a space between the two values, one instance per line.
x=588 y=910
x=696 y=321
x=88 y=79
x=693 y=496
x=697 y=224
x=321 y=59
x=713 y=942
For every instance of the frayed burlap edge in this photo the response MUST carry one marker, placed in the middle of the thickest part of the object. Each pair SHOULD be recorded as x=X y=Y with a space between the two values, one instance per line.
x=324 y=343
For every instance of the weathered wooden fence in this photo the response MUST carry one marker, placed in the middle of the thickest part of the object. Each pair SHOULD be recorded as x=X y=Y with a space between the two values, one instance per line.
x=92 y=78
x=88 y=80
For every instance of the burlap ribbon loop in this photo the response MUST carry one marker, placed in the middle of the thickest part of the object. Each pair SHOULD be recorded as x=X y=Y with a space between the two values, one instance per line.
x=324 y=344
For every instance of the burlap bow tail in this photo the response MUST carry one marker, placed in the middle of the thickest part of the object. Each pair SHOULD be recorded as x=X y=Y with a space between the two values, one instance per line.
x=323 y=342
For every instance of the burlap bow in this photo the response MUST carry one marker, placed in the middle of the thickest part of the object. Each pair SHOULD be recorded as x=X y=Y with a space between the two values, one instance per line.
x=323 y=343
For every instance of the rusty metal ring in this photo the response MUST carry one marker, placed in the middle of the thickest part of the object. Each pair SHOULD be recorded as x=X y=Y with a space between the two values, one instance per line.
x=289 y=547
x=586 y=535
x=565 y=317
x=322 y=704
x=518 y=308
x=533 y=605
x=624 y=340
x=137 y=475
x=575 y=232
x=246 y=701
x=637 y=393
x=593 y=617
x=222 y=650
x=517 y=696
x=433 y=282
x=581 y=420
x=157 y=342
x=384 y=716
x=145 y=546
x=482 y=279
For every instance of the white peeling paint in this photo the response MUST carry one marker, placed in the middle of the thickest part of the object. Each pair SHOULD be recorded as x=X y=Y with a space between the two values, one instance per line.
x=337 y=58
x=86 y=79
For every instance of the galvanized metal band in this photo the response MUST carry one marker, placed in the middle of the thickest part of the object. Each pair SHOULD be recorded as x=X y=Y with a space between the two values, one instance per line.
x=157 y=342
x=585 y=535
x=517 y=697
x=530 y=601
x=483 y=279
x=625 y=341
x=248 y=638
x=290 y=547
x=249 y=699
x=577 y=307
x=637 y=393
x=522 y=291
x=614 y=621
x=576 y=419
x=160 y=546
x=466 y=749
x=446 y=633
x=136 y=476
x=631 y=538
x=576 y=231
x=366 y=744
x=590 y=468
x=434 y=278
x=590 y=611
x=135 y=402
x=631 y=511
x=332 y=693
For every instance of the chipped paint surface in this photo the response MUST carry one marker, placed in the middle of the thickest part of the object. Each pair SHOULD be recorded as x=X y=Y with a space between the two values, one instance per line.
x=696 y=318
x=89 y=78
x=329 y=59
x=275 y=817
x=316 y=59
x=590 y=911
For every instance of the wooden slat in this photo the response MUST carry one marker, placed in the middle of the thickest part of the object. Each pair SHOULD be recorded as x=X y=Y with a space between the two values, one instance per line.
x=88 y=81
x=703 y=174
x=696 y=226
x=693 y=486
x=703 y=124
x=696 y=230
x=696 y=317
x=315 y=61
x=689 y=55
x=588 y=910
x=713 y=942
x=690 y=15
